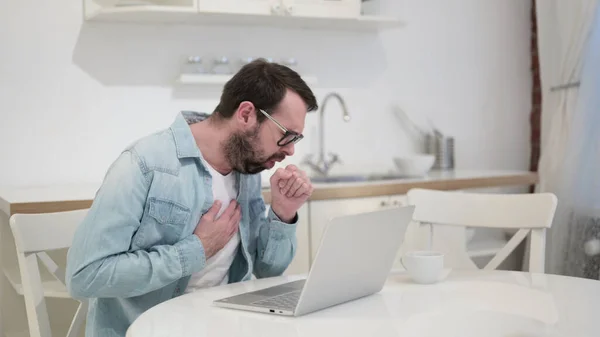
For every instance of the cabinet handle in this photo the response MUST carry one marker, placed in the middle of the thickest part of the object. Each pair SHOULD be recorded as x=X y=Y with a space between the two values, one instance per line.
x=384 y=204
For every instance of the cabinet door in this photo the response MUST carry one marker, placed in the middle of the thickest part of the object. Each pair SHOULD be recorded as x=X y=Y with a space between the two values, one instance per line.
x=323 y=211
x=398 y=200
x=322 y=8
x=301 y=262
x=265 y=7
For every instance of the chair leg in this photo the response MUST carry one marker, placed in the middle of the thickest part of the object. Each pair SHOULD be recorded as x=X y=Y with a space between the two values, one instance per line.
x=78 y=320
x=33 y=293
x=537 y=251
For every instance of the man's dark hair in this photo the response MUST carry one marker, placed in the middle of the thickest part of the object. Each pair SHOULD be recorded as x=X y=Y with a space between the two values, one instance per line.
x=264 y=84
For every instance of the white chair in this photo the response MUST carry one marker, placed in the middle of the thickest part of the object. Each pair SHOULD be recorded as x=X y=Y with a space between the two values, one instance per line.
x=441 y=218
x=34 y=235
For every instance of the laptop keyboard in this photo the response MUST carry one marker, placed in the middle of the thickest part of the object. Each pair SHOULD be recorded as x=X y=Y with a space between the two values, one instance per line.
x=285 y=301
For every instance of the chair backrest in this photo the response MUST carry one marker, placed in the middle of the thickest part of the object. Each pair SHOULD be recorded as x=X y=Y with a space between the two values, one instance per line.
x=446 y=215
x=34 y=235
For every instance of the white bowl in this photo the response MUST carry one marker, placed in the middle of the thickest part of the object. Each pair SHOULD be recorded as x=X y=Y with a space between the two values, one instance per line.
x=414 y=165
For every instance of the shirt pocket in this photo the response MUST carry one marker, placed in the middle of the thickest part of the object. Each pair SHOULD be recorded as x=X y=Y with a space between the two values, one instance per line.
x=163 y=223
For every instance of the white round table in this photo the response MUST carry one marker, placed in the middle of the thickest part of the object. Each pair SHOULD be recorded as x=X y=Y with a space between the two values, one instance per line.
x=466 y=303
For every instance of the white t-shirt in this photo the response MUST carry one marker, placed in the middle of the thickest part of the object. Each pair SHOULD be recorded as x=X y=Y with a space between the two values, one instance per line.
x=216 y=270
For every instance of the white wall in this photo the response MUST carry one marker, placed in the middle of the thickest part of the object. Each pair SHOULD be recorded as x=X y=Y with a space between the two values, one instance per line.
x=72 y=95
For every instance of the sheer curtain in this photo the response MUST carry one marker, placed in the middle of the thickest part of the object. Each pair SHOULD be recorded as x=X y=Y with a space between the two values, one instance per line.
x=569 y=46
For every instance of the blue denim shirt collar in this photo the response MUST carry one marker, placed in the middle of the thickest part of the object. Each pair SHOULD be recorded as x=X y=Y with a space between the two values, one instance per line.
x=184 y=139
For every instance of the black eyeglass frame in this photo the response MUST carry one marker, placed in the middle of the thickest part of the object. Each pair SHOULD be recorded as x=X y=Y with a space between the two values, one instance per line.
x=295 y=136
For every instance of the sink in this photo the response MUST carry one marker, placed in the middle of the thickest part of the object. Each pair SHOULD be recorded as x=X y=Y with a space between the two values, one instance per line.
x=355 y=178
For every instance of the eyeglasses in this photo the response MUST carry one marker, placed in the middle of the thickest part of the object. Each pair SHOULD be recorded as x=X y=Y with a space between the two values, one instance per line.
x=288 y=136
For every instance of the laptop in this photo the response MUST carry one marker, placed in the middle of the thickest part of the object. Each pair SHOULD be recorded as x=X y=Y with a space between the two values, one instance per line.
x=354 y=260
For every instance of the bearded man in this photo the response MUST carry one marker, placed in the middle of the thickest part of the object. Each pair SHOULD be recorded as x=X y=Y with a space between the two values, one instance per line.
x=182 y=209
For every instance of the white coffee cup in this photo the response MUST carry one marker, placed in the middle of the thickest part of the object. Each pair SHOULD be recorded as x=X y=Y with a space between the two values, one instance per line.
x=424 y=267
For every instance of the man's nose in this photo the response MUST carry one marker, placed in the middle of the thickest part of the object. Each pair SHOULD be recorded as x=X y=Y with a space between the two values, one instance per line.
x=289 y=149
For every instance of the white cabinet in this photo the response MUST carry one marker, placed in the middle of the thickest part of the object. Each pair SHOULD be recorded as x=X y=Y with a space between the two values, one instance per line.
x=293 y=14
x=128 y=9
x=259 y=7
x=324 y=210
x=301 y=262
x=398 y=200
x=301 y=8
x=322 y=8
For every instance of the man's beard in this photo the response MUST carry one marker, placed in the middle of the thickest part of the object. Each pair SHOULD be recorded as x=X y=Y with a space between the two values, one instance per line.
x=245 y=156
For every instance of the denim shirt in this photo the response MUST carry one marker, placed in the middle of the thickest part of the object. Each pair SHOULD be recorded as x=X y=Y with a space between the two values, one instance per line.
x=136 y=247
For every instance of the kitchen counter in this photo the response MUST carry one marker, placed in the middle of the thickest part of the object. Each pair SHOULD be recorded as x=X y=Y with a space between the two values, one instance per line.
x=54 y=198
x=437 y=180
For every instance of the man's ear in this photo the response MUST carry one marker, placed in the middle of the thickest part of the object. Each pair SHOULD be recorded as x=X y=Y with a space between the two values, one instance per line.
x=245 y=114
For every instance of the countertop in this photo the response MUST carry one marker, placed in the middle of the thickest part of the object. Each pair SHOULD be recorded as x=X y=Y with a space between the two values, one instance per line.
x=438 y=180
x=53 y=198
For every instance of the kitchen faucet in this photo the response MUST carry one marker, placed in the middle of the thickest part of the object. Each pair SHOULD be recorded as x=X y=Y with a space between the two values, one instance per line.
x=322 y=166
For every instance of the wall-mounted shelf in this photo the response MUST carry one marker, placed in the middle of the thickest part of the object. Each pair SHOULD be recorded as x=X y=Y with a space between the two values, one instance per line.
x=218 y=79
x=189 y=15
